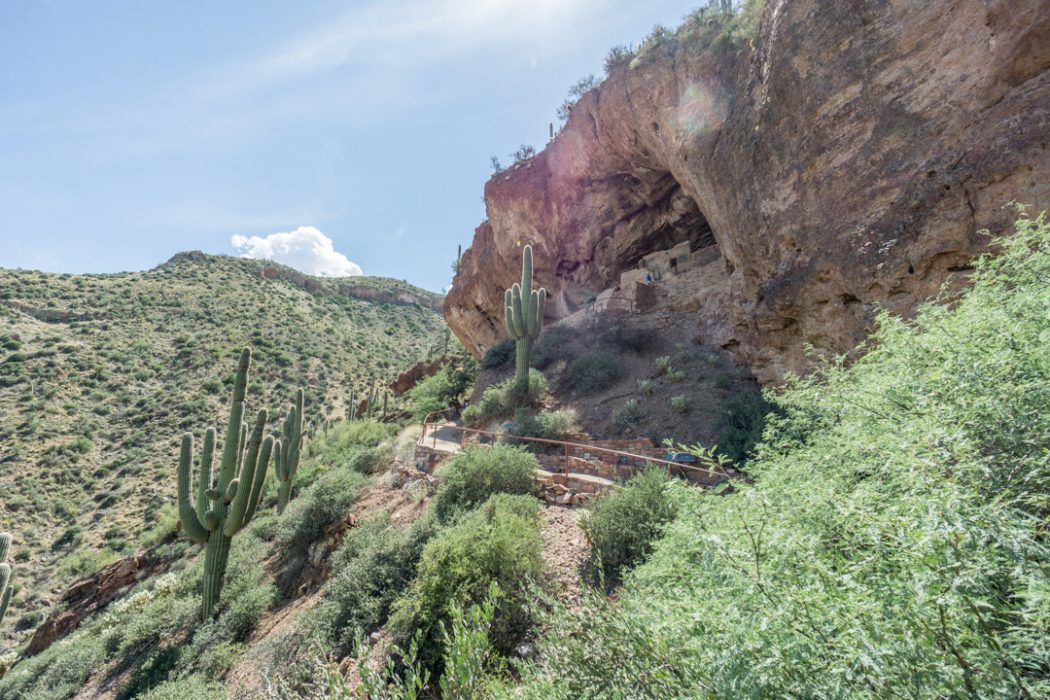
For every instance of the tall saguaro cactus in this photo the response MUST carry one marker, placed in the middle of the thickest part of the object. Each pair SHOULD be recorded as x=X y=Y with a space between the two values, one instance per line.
x=224 y=506
x=524 y=317
x=5 y=574
x=287 y=450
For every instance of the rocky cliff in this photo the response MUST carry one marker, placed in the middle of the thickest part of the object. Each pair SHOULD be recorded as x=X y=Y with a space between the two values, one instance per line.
x=839 y=161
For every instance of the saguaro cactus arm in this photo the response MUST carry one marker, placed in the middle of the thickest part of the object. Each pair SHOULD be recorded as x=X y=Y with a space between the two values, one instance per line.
x=191 y=524
x=286 y=458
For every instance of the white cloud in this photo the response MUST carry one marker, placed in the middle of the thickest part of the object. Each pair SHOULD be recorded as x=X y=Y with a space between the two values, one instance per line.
x=306 y=249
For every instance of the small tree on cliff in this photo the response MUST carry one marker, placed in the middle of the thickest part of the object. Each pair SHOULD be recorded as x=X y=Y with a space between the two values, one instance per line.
x=524 y=318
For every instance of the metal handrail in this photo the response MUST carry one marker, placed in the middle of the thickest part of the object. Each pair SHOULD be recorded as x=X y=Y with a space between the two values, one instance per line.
x=427 y=421
x=671 y=466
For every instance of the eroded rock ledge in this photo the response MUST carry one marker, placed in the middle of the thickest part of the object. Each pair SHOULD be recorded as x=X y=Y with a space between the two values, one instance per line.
x=841 y=162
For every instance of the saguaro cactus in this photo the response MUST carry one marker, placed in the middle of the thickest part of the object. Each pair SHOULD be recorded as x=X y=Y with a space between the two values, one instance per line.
x=286 y=451
x=5 y=574
x=524 y=318
x=223 y=507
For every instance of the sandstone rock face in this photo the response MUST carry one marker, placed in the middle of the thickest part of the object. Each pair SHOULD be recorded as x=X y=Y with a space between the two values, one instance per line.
x=842 y=162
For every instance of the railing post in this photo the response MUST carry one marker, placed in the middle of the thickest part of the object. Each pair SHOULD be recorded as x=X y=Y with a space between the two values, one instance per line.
x=566 y=468
x=435 y=439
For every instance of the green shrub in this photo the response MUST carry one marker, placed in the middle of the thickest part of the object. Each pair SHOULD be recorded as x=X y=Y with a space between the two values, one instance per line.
x=679 y=404
x=549 y=425
x=376 y=561
x=29 y=621
x=499 y=355
x=892 y=542
x=184 y=688
x=593 y=372
x=629 y=414
x=502 y=400
x=622 y=525
x=741 y=423
x=476 y=473
x=444 y=389
x=472 y=416
x=500 y=544
x=647 y=387
x=663 y=365
x=551 y=346
x=303 y=522
x=634 y=340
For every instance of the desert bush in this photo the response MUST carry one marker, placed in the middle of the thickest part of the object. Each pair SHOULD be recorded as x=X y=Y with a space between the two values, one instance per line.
x=663 y=365
x=502 y=400
x=633 y=340
x=444 y=389
x=188 y=687
x=618 y=56
x=472 y=416
x=679 y=404
x=499 y=543
x=306 y=517
x=740 y=424
x=376 y=561
x=593 y=372
x=476 y=473
x=499 y=355
x=549 y=425
x=524 y=152
x=629 y=414
x=551 y=346
x=622 y=525
x=647 y=387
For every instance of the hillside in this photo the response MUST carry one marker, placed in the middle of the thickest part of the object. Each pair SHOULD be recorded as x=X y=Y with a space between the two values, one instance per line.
x=775 y=426
x=889 y=542
x=100 y=374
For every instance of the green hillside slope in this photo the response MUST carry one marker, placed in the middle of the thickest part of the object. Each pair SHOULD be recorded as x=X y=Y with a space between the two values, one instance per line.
x=100 y=374
x=893 y=543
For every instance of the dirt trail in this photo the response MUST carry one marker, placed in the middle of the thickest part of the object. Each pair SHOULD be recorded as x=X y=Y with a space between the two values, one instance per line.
x=564 y=551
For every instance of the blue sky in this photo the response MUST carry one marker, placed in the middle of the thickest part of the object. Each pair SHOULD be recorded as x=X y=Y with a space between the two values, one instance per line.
x=132 y=130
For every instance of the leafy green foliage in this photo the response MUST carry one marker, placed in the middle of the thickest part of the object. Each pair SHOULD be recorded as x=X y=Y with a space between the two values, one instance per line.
x=476 y=473
x=318 y=506
x=628 y=414
x=551 y=425
x=593 y=372
x=741 y=423
x=623 y=525
x=499 y=356
x=444 y=389
x=188 y=687
x=503 y=399
x=892 y=543
x=376 y=561
x=499 y=543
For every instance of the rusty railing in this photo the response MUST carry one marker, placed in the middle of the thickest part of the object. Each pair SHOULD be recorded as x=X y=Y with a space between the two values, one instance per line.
x=671 y=466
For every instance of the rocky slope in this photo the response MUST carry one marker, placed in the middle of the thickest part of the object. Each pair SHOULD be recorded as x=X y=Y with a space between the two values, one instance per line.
x=100 y=375
x=840 y=161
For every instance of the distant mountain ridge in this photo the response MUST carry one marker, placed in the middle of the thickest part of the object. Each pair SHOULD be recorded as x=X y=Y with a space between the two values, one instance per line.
x=378 y=289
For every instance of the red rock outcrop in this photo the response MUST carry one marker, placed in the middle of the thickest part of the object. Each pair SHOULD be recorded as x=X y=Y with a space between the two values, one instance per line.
x=92 y=594
x=843 y=161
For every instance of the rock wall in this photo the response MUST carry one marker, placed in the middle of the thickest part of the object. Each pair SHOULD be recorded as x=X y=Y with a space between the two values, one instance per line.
x=843 y=161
